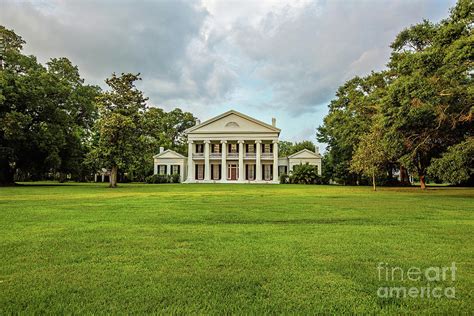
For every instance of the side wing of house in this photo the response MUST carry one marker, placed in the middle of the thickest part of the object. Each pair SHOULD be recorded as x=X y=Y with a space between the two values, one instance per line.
x=305 y=156
x=170 y=162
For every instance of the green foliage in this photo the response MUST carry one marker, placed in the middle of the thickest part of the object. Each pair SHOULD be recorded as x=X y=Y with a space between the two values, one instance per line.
x=286 y=148
x=284 y=178
x=162 y=178
x=456 y=165
x=305 y=174
x=45 y=114
x=370 y=156
x=423 y=101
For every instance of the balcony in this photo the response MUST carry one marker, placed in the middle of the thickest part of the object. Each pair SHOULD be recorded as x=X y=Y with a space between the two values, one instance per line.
x=215 y=155
x=250 y=155
x=233 y=155
x=267 y=155
x=198 y=155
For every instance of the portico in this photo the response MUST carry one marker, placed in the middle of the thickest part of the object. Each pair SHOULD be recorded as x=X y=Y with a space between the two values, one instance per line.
x=233 y=147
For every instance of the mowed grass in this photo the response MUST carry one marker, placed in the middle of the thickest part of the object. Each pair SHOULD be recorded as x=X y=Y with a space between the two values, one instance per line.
x=215 y=249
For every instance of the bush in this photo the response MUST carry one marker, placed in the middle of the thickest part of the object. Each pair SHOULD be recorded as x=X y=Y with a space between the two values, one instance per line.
x=305 y=174
x=162 y=178
x=157 y=178
x=174 y=178
x=284 y=179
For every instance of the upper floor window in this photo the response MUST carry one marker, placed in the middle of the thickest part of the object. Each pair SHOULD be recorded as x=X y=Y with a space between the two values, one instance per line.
x=251 y=148
x=233 y=148
x=216 y=148
x=199 y=148
x=267 y=148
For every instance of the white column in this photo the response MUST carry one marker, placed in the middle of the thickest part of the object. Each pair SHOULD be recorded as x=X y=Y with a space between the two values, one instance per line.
x=224 y=161
x=207 y=166
x=190 y=162
x=258 y=160
x=241 y=161
x=275 y=160
x=181 y=172
x=155 y=168
x=168 y=169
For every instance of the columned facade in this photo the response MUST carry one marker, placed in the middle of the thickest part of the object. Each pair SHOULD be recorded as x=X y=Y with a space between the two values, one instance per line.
x=233 y=148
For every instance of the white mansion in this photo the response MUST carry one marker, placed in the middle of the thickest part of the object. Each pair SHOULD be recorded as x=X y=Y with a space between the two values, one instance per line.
x=232 y=148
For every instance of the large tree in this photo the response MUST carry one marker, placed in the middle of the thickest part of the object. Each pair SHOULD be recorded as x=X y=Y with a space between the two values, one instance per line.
x=44 y=112
x=429 y=102
x=119 y=143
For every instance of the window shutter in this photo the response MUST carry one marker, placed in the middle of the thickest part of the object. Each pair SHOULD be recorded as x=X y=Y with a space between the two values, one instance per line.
x=179 y=169
x=195 y=171
x=254 y=172
x=246 y=172
x=166 y=169
x=220 y=172
x=271 y=148
x=247 y=148
x=271 y=171
x=229 y=148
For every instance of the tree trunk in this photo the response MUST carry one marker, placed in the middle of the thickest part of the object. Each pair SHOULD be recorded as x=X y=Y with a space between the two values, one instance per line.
x=113 y=177
x=404 y=175
x=422 y=182
x=373 y=181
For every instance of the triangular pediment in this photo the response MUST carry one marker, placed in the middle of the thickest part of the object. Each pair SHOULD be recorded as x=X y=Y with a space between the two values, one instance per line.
x=305 y=153
x=232 y=122
x=169 y=154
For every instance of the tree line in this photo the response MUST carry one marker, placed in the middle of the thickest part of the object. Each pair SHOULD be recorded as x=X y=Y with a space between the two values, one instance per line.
x=53 y=125
x=416 y=116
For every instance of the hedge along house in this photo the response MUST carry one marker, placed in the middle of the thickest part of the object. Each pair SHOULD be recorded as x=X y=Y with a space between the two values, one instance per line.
x=232 y=148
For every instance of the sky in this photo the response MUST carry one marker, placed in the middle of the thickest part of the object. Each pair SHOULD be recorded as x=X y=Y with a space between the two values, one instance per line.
x=264 y=58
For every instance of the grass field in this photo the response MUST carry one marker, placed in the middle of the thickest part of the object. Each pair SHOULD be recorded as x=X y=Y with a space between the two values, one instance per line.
x=214 y=249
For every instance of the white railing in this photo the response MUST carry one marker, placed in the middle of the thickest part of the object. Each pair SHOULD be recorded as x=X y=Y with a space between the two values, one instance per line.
x=198 y=155
x=250 y=155
x=267 y=155
x=215 y=155
x=233 y=155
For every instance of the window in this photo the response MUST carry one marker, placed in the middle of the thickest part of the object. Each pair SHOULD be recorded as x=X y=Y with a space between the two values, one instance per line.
x=162 y=169
x=267 y=148
x=233 y=148
x=199 y=148
x=216 y=148
x=250 y=172
x=175 y=169
x=267 y=172
x=199 y=172
x=251 y=148
x=216 y=172
x=282 y=170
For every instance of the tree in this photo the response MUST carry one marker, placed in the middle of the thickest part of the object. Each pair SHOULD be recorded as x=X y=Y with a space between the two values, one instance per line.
x=370 y=156
x=350 y=116
x=286 y=148
x=44 y=111
x=119 y=125
x=429 y=102
x=456 y=165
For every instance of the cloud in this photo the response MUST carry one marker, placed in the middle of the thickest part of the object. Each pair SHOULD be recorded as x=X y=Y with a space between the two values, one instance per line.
x=163 y=40
x=305 y=53
x=266 y=58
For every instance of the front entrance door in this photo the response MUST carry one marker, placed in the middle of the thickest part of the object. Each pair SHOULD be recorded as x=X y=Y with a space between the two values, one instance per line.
x=232 y=171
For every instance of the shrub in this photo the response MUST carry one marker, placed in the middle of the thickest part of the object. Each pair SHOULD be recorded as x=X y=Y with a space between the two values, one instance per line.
x=284 y=179
x=174 y=178
x=305 y=174
x=162 y=178
x=157 y=178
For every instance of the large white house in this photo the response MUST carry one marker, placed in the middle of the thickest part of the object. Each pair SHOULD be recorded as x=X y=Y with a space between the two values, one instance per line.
x=232 y=148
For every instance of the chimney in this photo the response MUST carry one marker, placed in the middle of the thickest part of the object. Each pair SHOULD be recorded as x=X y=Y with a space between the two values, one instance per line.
x=162 y=150
x=316 y=150
x=198 y=121
x=274 y=122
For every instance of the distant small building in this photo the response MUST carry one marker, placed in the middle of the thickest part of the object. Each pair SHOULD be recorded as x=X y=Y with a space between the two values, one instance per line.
x=232 y=148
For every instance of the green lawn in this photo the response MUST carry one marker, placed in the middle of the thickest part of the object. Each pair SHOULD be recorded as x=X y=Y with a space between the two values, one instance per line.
x=214 y=249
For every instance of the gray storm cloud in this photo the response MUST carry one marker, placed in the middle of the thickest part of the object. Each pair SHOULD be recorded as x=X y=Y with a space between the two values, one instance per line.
x=196 y=55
